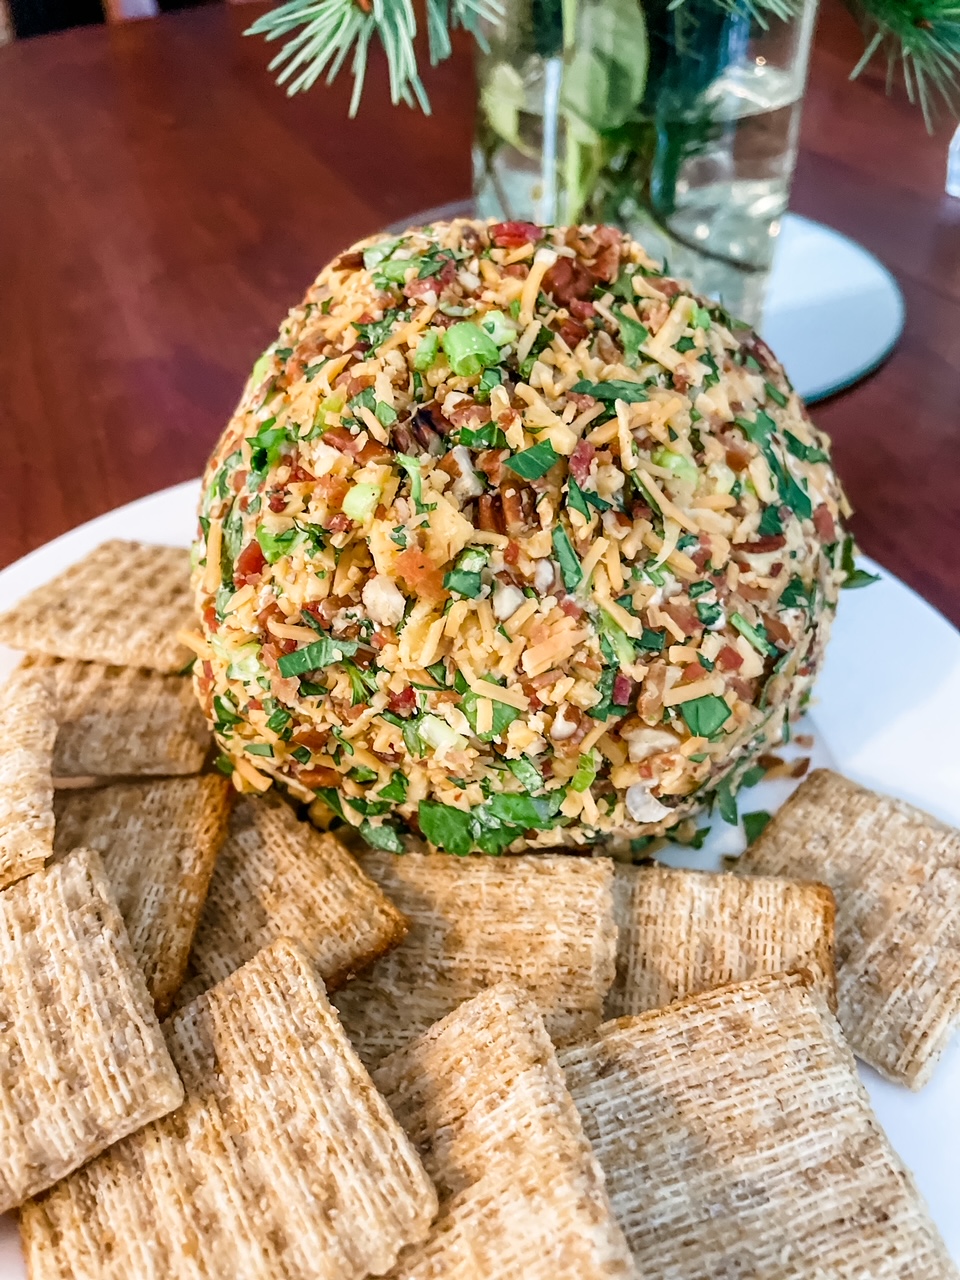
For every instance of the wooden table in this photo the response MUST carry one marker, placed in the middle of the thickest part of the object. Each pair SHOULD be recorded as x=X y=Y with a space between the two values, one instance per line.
x=163 y=204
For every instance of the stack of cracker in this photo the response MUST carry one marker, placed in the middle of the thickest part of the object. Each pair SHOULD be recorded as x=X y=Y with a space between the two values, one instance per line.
x=428 y=1067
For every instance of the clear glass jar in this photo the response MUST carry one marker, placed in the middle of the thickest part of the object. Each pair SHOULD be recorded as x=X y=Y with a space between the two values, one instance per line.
x=678 y=122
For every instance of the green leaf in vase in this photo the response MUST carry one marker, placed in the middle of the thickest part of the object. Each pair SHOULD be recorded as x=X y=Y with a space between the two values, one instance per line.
x=502 y=98
x=607 y=75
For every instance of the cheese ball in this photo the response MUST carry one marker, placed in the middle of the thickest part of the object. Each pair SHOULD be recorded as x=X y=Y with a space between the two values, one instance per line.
x=512 y=542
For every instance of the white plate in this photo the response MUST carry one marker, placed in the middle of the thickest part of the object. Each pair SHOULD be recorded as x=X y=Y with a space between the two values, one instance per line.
x=886 y=711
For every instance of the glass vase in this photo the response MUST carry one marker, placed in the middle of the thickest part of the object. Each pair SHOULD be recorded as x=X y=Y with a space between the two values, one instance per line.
x=675 y=121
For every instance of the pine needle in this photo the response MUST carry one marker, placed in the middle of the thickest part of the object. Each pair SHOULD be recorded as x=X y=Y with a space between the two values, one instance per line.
x=920 y=39
x=330 y=29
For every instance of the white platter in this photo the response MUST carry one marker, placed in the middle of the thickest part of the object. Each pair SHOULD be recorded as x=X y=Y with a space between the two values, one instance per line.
x=886 y=714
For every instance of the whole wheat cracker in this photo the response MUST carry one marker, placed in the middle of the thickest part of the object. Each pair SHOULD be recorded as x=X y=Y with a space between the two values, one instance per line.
x=737 y=1139
x=278 y=877
x=283 y=1161
x=542 y=921
x=28 y=728
x=521 y=1194
x=123 y=603
x=895 y=872
x=82 y=1059
x=123 y=721
x=682 y=932
x=159 y=841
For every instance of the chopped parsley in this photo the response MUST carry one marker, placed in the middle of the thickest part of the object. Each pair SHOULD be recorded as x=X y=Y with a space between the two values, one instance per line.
x=569 y=563
x=855 y=577
x=321 y=653
x=381 y=836
x=489 y=436
x=534 y=462
x=632 y=336
x=609 y=392
x=396 y=788
x=526 y=773
x=705 y=716
x=755 y=823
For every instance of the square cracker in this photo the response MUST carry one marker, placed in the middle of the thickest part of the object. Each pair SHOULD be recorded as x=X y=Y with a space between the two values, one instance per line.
x=895 y=872
x=123 y=603
x=543 y=921
x=158 y=841
x=521 y=1194
x=279 y=877
x=283 y=1161
x=737 y=1140
x=682 y=932
x=82 y=1057
x=124 y=721
x=28 y=728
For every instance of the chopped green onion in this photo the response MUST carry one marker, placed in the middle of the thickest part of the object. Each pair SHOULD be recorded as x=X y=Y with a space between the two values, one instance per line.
x=427 y=351
x=775 y=394
x=756 y=635
x=500 y=327
x=469 y=349
x=361 y=502
x=587 y=767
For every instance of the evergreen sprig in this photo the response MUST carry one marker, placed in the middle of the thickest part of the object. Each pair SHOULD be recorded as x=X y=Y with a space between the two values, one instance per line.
x=921 y=38
x=330 y=29
x=918 y=38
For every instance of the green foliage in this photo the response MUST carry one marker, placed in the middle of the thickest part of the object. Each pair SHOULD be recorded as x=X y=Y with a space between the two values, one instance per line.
x=330 y=29
x=921 y=40
x=607 y=77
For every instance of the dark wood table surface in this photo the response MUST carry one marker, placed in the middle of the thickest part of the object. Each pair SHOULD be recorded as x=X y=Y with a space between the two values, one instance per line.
x=162 y=204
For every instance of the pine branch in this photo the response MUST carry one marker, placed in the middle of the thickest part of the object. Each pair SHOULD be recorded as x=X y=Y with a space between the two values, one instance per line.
x=921 y=39
x=330 y=29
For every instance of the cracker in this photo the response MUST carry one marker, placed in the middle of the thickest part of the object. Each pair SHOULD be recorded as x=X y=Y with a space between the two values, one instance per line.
x=82 y=1058
x=521 y=1193
x=159 y=841
x=682 y=932
x=123 y=603
x=124 y=721
x=542 y=921
x=895 y=872
x=278 y=877
x=283 y=1161
x=737 y=1140
x=28 y=728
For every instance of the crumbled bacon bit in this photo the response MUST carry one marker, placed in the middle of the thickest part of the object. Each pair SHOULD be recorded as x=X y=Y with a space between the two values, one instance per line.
x=514 y=235
x=511 y=552
x=403 y=703
x=568 y=279
x=417 y=571
x=581 y=460
x=573 y=332
x=684 y=615
x=622 y=690
x=728 y=659
x=824 y=524
x=249 y=564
